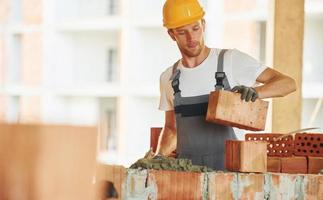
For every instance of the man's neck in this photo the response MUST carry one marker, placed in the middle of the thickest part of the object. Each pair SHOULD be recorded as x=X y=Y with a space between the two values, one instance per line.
x=191 y=62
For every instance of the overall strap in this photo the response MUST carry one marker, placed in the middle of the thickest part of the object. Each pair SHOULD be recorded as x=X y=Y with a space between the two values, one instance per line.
x=224 y=83
x=220 y=60
x=175 y=78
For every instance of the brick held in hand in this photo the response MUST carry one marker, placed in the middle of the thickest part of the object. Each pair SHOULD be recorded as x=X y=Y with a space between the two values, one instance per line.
x=246 y=156
x=228 y=109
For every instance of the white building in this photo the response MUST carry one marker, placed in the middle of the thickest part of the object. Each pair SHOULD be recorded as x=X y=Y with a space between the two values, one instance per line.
x=98 y=62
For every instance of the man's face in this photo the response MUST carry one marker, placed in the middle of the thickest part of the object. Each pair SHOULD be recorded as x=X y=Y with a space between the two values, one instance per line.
x=189 y=38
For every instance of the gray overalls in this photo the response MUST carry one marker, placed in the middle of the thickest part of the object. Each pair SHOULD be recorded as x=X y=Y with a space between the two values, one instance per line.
x=197 y=139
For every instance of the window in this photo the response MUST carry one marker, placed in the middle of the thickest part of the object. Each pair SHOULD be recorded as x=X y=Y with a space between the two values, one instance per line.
x=14 y=67
x=13 y=109
x=15 y=14
x=111 y=65
x=111 y=139
x=108 y=125
x=112 y=7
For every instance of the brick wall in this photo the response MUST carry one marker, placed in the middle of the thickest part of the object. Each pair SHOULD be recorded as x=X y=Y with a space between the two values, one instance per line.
x=145 y=184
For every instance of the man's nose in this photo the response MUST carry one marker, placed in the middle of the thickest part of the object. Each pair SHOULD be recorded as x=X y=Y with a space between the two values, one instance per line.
x=189 y=36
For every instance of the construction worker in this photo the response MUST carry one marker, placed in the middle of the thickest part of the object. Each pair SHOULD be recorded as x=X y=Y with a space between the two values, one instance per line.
x=185 y=87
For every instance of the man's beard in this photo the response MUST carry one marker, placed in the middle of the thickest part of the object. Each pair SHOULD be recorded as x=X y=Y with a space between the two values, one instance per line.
x=192 y=52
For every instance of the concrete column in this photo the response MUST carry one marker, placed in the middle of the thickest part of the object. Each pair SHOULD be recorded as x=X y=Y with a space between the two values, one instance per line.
x=287 y=28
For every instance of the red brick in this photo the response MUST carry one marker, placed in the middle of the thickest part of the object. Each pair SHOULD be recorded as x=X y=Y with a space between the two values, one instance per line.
x=228 y=109
x=313 y=187
x=47 y=162
x=177 y=185
x=220 y=185
x=283 y=186
x=273 y=164
x=154 y=135
x=246 y=156
x=282 y=148
x=315 y=164
x=137 y=185
x=116 y=175
x=251 y=186
x=294 y=165
x=309 y=144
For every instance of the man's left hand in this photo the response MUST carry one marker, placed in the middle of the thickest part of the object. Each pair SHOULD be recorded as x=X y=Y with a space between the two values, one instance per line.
x=247 y=93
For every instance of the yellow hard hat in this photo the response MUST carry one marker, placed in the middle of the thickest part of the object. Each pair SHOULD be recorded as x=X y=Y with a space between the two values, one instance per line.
x=178 y=13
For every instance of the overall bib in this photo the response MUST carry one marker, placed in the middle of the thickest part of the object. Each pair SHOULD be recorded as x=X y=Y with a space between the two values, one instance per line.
x=197 y=139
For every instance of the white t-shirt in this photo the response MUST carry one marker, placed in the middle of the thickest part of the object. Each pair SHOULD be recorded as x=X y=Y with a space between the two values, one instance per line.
x=240 y=69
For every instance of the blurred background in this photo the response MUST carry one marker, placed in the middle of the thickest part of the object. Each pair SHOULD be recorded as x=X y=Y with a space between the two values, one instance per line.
x=98 y=62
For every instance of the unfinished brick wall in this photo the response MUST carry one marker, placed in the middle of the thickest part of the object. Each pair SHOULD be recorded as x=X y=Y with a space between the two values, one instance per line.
x=151 y=184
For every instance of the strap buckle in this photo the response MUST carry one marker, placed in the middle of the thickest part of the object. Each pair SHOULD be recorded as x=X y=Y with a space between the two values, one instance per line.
x=219 y=76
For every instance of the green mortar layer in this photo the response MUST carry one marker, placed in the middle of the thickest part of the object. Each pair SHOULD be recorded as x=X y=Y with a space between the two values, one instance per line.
x=166 y=163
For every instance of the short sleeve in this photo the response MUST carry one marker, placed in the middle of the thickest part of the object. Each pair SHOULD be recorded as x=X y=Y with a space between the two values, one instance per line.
x=166 y=95
x=245 y=69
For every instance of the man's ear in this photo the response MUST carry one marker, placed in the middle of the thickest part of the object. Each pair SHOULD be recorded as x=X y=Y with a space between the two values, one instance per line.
x=203 y=23
x=171 y=34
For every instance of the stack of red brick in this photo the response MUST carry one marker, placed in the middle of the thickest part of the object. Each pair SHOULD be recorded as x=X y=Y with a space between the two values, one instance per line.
x=302 y=154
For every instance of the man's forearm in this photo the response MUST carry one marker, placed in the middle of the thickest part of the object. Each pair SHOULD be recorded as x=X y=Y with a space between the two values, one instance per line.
x=167 y=141
x=277 y=87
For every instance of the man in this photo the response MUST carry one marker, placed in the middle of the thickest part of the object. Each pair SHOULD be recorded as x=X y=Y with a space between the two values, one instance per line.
x=185 y=87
